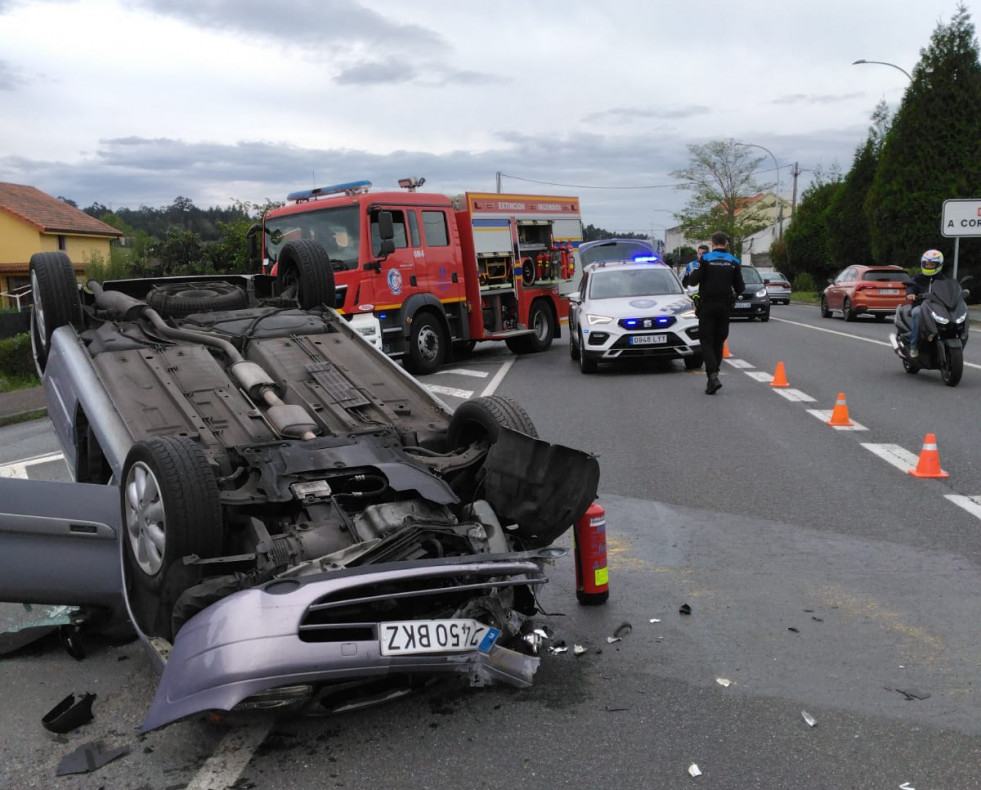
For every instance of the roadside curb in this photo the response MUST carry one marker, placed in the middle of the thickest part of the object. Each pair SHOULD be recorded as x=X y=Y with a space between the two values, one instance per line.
x=22 y=416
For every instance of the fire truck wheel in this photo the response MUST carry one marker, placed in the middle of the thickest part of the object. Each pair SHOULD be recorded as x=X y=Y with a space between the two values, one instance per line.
x=463 y=348
x=305 y=274
x=427 y=344
x=541 y=321
x=481 y=419
x=176 y=300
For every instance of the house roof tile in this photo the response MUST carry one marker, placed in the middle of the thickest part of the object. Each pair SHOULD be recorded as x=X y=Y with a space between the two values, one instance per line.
x=48 y=214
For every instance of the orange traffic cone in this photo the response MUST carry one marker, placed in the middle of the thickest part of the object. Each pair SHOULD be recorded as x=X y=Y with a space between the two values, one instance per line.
x=839 y=416
x=725 y=350
x=780 y=377
x=929 y=463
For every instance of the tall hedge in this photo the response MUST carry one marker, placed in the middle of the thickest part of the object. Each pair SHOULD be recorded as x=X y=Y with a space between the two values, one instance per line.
x=16 y=360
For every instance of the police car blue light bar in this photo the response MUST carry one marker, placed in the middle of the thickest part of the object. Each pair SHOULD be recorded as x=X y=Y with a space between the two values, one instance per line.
x=647 y=259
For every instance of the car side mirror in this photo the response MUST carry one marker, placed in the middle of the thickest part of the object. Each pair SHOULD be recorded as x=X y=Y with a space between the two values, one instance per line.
x=575 y=298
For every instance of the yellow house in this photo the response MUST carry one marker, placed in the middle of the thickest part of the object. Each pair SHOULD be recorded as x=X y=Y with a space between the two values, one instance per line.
x=32 y=221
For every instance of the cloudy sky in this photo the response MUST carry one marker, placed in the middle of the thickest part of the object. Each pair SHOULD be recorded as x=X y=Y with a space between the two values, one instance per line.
x=134 y=102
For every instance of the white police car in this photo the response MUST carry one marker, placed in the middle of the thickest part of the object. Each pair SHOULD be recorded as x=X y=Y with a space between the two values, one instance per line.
x=629 y=309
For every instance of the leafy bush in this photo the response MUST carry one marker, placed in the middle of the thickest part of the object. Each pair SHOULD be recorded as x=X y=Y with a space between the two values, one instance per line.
x=804 y=282
x=17 y=362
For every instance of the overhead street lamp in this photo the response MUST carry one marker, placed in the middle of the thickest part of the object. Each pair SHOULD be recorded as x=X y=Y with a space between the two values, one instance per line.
x=779 y=204
x=883 y=63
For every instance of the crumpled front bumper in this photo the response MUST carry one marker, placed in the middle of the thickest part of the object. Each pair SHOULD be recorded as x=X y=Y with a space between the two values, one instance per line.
x=250 y=641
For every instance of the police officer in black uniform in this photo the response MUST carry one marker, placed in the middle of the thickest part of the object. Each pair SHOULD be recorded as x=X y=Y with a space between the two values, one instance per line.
x=719 y=279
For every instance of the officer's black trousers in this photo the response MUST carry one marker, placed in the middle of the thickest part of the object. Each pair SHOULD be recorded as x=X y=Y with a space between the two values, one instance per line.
x=713 y=329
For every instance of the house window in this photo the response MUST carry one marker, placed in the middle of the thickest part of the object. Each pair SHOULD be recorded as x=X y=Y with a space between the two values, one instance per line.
x=62 y=243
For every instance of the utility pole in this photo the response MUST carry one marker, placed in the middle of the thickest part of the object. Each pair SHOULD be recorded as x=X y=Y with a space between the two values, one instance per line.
x=793 y=203
x=498 y=182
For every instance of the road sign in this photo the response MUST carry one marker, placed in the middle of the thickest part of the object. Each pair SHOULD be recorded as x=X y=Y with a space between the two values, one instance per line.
x=961 y=218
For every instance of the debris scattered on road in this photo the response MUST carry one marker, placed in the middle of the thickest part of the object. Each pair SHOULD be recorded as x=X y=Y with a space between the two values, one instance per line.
x=88 y=757
x=611 y=709
x=611 y=639
x=811 y=721
x=623 y=629
x=793 y=630
x=69 y=714
x=34 y=629
x=694 y=770
x=655 y=620
x=906 y=786
x=578 y=650
x=685 y=609
x=71 y=640
x=912 y=694
x=723 y=682
x=817 y=619
x=558 y=648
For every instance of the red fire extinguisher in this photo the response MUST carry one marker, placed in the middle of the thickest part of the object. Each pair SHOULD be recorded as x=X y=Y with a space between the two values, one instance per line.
x=589 y=545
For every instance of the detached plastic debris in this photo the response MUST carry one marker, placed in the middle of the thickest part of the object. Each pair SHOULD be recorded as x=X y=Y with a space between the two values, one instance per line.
x=811 y=721
x=623 y=629
x=914 y=694
x=723 y=682
x=578 y=650
x=68 y=714
x=89 y=757
x=655 y=620
x=34 y=629
x=611 y=639
x=685 y=609
x=694 y=770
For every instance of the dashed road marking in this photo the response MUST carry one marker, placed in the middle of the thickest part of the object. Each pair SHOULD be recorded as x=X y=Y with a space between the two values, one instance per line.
x=898 y=456
x=436 y=389
x=231 y=757
x=477 y=374
x=824 y=415
x=760 y=375
x=794 y=395
x=742 y=364
x=972 y=504
x=19 y=468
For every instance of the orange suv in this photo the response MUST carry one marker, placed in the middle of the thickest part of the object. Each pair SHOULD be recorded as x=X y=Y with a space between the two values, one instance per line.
x=876 y=290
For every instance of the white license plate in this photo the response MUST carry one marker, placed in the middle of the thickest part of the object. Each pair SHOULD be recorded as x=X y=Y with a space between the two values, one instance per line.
x=888 y=292
x=744 y=304
x=648 y=340
x=412 y=637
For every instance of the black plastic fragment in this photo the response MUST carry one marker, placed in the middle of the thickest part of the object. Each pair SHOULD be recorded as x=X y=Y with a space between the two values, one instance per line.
x=684 y=609
x=623 y=629
x=71 y=640
x=88 y=757
x=68 y=714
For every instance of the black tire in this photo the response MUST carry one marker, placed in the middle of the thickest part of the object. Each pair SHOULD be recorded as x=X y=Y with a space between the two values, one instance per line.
x=481 y=419
x=56 y=301
x=176 y=300
x=694 y=362
x=846 y=310
x=953 y=368
x=463 y=348
x=427 y=344
x=765 y=317
x=825 y=312
x=170 y=509
x=573 y=348
x=541 y=320
x=305 y=274
x=880 y=317
x=587 y=364
x=910 y=367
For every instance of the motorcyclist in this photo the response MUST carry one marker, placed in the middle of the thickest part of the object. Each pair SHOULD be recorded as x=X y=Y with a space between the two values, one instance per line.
x=931 y=265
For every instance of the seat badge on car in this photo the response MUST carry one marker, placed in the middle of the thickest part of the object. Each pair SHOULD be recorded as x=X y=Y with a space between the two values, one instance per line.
x=648 y=323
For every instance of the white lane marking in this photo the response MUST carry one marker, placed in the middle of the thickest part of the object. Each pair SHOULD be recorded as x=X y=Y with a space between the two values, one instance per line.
x=824 y=415
x=742 y=364
x=853 y=337
x=794 y=395
x=760 y=375
x=498 y=377
x=224 y=767
x=452 y=391
x=477 y=374
x=898 y=456
x=18 y=469
x=972 y=504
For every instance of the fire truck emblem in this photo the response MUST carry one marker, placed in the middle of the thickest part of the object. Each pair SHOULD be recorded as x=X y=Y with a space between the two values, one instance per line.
x=395 y=281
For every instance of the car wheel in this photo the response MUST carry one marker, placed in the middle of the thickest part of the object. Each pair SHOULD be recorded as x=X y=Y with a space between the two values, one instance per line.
x=694 y=362
x=56 y=300
x=586 y=363
x=305 y=274
x=846 y=310
x=825 y=312
x=170 y=509
x=481 y=419
x=176 y=300
x=427 y=344
x=573 y=347
x=879 y=317
x=764 y=317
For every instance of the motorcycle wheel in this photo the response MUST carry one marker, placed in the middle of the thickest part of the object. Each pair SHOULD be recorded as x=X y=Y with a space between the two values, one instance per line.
x=952 y=368
x=909 y=367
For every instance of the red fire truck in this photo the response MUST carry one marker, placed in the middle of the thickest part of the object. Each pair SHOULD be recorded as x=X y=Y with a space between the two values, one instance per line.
x=422 y=275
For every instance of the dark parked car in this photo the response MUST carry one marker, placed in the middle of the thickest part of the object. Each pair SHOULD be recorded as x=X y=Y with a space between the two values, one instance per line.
x=875 y=290
x=754 y=301
x=280 y=509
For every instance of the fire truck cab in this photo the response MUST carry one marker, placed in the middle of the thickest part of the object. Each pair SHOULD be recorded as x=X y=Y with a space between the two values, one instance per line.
x=422 y=275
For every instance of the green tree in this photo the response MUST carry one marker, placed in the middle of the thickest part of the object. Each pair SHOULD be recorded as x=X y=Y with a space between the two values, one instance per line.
x=180 y=252
x=720 y=177
x=932 y=151
x=807 y=240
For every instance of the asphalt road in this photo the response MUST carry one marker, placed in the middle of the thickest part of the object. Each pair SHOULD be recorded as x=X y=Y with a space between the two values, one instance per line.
x=821 y=578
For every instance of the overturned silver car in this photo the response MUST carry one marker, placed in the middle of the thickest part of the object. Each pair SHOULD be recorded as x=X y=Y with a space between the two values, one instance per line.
x=282 y=512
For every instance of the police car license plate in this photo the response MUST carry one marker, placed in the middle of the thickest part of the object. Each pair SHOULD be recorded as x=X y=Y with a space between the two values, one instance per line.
x=648 y=340
x=412 y=637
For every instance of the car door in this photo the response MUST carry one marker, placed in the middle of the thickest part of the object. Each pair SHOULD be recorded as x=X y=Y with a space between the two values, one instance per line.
x=839 y=288
x=575 y=305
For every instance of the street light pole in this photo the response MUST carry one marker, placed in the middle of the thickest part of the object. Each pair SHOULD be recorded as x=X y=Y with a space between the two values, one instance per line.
x=779 y=204
x=883 y=63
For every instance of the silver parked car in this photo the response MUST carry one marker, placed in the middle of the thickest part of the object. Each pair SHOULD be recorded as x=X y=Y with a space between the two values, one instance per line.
x=778 y=287
x=278 y=509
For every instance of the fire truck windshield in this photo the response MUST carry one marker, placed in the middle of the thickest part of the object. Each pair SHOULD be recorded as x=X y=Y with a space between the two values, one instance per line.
x=337 y=230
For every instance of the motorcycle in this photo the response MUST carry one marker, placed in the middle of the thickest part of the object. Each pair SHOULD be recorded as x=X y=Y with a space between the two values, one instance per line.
x=944 y=328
